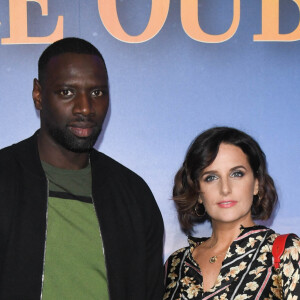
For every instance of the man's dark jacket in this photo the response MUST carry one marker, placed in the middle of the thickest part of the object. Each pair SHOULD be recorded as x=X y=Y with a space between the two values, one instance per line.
x=130 y=223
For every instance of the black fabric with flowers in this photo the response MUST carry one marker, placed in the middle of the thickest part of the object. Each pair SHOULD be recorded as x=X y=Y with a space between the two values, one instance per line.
x=247 y=271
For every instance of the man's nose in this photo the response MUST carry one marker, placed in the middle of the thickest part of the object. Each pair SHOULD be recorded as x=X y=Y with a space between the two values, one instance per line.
x=83 y=104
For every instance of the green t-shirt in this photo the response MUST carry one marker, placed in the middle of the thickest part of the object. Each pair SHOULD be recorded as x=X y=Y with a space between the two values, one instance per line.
x=74 y=261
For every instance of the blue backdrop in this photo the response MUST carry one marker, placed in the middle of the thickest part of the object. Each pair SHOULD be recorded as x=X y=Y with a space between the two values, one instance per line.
x=168 y=89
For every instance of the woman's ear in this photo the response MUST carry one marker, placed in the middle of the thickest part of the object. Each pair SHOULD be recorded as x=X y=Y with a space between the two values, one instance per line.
x=256 y=187
x=200 y=199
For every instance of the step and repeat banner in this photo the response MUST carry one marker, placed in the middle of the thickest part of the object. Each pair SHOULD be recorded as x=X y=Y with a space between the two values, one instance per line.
x=175 y=69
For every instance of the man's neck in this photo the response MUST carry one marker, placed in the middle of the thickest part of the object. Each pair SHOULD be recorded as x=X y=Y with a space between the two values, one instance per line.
x=60 y=157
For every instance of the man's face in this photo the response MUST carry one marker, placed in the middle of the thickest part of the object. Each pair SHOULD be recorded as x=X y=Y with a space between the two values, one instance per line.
x=73 y=100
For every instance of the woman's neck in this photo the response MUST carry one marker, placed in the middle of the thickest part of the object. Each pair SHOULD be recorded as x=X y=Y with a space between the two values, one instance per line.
x=224 y=234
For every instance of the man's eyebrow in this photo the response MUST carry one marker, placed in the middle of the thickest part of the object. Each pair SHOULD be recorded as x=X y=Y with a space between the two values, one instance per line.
x=71 y=83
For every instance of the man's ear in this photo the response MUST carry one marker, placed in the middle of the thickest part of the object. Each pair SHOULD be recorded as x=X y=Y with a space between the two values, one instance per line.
x=37 y=94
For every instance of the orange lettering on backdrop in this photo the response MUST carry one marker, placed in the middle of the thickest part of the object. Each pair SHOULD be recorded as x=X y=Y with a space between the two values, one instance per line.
x=109 y=16
x=18 y=24
x=270 y=24
x=190 y=23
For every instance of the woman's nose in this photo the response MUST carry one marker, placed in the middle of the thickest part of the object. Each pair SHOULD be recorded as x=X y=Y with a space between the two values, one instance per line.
x=225 y=186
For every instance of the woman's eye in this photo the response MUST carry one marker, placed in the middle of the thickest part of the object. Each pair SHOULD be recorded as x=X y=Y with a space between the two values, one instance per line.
x=237 y=174
x=210 y=178
x=66 y=93
x=97 y=93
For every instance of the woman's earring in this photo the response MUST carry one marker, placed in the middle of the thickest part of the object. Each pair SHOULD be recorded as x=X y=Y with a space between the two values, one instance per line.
x=199 y=209
x=256 y=198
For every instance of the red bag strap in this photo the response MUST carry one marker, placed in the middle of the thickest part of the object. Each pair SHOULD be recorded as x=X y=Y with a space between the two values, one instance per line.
x=278 y=248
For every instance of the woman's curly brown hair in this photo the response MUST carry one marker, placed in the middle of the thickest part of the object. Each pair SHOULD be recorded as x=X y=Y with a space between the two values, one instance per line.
x=201 y=153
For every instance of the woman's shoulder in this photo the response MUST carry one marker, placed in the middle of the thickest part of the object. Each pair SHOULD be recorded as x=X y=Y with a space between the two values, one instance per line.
x=292 y=248
x=292 y=240
x=178 y=254
x=182 y=252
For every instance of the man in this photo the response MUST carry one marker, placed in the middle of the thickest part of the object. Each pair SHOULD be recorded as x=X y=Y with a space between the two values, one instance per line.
x=62 y=202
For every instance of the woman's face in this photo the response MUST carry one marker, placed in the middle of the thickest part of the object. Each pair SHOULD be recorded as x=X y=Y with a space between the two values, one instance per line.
x=227 y=187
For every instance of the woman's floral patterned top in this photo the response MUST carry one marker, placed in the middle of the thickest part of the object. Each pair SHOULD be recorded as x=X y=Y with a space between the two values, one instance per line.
x=247 y=271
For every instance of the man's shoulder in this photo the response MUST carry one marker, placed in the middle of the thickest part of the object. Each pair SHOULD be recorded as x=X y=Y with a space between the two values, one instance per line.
x=115 y=175
x=7 y=153
x=10 y=152
x=110 y=175
x=110 y=165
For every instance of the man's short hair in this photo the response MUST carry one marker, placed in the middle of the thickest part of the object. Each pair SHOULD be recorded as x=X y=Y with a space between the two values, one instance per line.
x=66 y=45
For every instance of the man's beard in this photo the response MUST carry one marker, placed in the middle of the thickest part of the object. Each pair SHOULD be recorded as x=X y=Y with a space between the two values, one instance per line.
x=69 y=141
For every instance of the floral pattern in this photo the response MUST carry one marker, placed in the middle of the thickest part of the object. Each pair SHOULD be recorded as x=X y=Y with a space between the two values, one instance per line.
x=247 y=271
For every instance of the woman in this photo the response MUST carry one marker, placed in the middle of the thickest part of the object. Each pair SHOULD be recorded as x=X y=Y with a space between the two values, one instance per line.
x=224 y=179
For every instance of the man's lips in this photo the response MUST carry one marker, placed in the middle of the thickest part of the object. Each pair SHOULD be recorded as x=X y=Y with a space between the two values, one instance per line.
x=82 y=130
x=227 y=203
